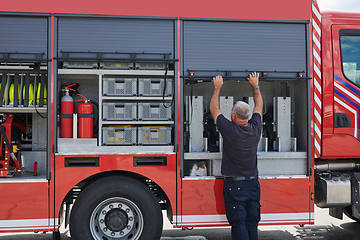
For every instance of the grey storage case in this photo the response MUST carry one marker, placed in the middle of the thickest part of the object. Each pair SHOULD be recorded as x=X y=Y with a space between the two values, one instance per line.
x=155 y=87
x=119 y=136
x=154 y=135
x=119 y=111
x=119 y=86
x=153 y=111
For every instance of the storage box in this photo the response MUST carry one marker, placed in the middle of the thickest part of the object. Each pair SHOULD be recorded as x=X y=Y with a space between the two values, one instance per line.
x=119 y=111
x=119 y=86
x=119 y=136
x=154 y=135
x=155 y=87
x=153 y=111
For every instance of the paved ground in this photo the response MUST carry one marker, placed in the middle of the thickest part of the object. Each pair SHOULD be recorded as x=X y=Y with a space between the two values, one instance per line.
x=325 y=228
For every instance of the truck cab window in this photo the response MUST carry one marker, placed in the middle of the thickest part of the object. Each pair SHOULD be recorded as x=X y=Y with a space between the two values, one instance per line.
x=350 y=55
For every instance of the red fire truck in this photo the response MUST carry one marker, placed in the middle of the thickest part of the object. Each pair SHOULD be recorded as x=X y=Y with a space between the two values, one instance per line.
x=105 y=112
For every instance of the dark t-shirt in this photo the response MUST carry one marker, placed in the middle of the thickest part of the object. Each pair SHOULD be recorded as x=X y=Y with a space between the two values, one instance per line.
x=239 y=146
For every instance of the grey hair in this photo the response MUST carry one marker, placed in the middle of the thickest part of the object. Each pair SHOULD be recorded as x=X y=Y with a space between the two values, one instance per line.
x=242 y=110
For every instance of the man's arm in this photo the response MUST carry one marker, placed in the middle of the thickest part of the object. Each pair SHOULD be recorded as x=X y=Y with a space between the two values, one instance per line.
x=214 y=101
x=254 y=81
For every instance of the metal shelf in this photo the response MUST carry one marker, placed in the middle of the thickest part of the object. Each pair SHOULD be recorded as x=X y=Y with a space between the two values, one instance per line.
x=26 y=178
x=21 y=109
x=67 y=146
x=138 y=122
x=202 y=155
x=160 y=74
x=261 y=155
x=136 y=98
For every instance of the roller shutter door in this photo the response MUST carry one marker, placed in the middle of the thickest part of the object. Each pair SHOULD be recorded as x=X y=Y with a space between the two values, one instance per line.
x=244 y=45
x=24 y=34
x=109 y=35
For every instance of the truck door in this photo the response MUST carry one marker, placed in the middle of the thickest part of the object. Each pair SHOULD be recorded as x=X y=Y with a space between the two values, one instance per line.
x=346 y=58
x=280 y=58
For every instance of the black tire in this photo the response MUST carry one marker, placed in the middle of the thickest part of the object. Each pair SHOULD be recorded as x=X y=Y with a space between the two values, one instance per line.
x=116 y=207
x=348 y=212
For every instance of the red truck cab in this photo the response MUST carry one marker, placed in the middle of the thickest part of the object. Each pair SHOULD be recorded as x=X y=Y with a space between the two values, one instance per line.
x=339 y=162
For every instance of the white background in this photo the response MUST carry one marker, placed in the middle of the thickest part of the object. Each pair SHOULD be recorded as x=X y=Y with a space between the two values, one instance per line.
x=339 y=5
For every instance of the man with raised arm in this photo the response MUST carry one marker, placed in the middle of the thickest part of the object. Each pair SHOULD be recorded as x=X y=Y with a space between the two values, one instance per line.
x=241 y=136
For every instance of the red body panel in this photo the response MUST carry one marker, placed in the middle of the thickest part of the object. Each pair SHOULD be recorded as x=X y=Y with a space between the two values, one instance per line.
x=203 y=202
x=67 y=177
x=25 y=205
x=336 y=143
x=257 y=9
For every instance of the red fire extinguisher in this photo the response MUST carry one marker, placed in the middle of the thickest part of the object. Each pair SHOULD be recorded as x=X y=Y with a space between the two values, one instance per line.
x=67 y=110
x=85 y=120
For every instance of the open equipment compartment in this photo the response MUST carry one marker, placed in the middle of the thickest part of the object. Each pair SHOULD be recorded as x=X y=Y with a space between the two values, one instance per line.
x=123 y=117
x=130 y=78
x=120 y=72
x=24 y=93
x=284 y=83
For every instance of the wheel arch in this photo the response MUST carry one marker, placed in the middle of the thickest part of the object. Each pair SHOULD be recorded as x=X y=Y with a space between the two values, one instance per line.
x=73 y=193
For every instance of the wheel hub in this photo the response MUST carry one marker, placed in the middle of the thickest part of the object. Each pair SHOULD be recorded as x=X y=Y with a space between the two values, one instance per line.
x=116 y=219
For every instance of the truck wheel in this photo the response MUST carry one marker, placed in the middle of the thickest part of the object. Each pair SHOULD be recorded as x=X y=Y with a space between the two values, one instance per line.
x=348 y=213
x=116 y=208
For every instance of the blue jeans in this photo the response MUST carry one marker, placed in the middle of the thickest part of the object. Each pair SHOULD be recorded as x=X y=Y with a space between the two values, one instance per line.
x=242 y=204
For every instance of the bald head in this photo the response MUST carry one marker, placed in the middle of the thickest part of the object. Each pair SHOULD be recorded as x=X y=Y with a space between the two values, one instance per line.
x=242 y=110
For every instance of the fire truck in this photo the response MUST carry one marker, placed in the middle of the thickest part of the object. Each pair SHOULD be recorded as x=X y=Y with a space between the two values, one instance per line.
x=105 y=118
